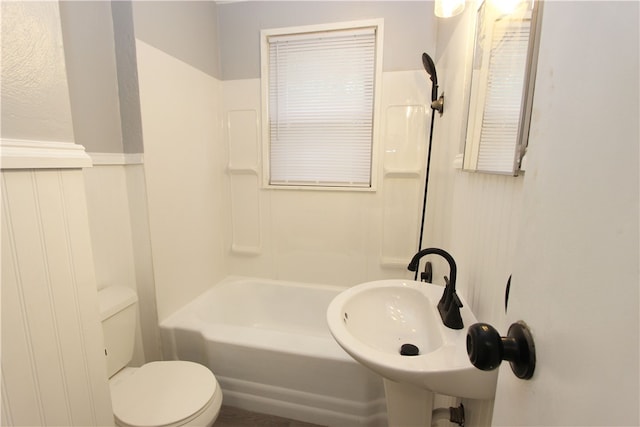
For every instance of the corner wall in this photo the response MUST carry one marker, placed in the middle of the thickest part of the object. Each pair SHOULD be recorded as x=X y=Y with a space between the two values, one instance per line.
x=334 y=237
x=103 y=89
x=201 y=211
x=180 y=122
x=319 y=236
x=474 y=216
x=53 y=369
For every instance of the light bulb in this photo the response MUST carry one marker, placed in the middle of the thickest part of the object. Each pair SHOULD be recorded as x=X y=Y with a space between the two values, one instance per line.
x=448 y=8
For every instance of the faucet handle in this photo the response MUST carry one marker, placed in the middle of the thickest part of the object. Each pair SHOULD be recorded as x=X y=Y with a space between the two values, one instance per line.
x=427 y=274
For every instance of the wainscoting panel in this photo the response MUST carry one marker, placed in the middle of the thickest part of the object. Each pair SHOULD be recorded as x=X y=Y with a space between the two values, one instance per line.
x=53 y=370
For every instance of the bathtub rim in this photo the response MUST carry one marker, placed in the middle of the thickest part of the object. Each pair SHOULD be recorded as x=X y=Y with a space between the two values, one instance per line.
x=268 y=339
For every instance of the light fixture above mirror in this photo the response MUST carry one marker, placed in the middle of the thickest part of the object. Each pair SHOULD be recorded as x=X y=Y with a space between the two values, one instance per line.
x=448 y=8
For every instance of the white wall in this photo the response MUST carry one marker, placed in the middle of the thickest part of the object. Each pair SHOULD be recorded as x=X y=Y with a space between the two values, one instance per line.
x=181 y=127
x=474 y=216
x=119 y=225
x=480 y=217
x=53 y=367
x=208 y=221
x=576 y=279
x=334 y=237
x=103 y=87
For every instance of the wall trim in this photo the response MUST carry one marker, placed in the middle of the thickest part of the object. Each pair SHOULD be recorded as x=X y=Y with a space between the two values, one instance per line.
x=31 y=154
x=108 y=159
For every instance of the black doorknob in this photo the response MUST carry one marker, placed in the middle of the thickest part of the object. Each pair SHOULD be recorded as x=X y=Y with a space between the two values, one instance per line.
x=487 y=349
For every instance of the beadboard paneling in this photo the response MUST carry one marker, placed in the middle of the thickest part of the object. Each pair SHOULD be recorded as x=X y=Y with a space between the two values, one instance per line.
x=53 y=370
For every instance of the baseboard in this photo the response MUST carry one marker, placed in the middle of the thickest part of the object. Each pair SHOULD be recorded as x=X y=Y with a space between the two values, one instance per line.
x=302 y=406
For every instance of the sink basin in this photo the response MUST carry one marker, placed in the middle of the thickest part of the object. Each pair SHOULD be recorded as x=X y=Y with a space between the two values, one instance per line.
x=372 y=321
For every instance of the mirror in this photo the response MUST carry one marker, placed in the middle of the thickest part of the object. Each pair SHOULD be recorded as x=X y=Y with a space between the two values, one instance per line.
x=503 y=65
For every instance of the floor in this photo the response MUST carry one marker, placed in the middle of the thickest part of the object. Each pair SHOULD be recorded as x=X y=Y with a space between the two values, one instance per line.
x=234 y=417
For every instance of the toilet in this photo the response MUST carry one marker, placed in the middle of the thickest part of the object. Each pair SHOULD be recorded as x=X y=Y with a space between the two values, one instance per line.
x=168 y=393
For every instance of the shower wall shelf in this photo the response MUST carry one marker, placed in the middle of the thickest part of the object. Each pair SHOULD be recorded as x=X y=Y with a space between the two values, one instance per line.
x=244 y=179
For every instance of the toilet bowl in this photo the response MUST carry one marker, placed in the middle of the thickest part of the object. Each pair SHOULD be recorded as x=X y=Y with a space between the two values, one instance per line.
x=172 y=393
x=158 y=394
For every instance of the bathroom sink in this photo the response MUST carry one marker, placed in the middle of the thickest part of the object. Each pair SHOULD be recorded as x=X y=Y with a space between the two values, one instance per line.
x=372 y=321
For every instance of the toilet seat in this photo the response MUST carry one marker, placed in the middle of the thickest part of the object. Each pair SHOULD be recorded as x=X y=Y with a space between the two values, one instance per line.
x=170 y=393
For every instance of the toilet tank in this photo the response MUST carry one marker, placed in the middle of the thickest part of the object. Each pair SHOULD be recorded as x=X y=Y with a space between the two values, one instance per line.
x=118 y=315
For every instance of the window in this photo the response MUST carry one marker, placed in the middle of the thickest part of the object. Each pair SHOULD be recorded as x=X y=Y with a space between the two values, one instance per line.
x=319 y=97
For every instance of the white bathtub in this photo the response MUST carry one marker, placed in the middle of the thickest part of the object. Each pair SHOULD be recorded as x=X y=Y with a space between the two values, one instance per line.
x=268 y=344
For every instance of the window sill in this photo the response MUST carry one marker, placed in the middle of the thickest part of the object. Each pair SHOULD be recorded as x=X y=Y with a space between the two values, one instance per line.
x=319 y=188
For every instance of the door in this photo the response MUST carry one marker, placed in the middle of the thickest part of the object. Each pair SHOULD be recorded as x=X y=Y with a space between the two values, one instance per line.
x=575 y=280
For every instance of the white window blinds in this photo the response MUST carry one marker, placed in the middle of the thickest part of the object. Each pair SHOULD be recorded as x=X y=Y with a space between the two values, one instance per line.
x=320 y=108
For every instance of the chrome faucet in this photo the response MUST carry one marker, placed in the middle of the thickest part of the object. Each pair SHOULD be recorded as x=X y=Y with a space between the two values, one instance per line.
x=449 y=305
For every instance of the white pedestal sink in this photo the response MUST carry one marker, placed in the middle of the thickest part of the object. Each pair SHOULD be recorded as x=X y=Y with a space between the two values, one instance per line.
x=371 y=322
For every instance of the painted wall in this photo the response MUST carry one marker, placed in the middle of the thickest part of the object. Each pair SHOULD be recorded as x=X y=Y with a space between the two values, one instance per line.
x=409 y=29
x=87 y=30
x=480 y=217
x=181 y=127
x=35 y=95
x=103 y=84
x=53 y=369
x=191 y=119
x=102 y=74
x=126 y=66
x=186 y=30
x=201 y=213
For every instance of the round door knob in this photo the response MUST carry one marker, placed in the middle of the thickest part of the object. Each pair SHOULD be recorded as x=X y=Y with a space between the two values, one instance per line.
x=487 y=349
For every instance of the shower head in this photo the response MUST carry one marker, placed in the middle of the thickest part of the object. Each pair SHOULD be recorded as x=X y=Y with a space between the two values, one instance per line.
x=430 y=68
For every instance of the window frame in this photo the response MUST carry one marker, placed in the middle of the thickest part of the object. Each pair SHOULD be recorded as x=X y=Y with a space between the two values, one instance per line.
x=378 y=25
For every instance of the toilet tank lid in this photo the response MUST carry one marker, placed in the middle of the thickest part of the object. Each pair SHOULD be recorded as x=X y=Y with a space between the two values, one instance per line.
x=113 y=299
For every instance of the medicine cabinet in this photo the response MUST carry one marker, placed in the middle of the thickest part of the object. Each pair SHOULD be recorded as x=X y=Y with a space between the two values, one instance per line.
x=500 y=93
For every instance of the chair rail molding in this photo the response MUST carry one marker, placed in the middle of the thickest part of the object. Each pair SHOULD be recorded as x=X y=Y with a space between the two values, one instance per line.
x=30 y=154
